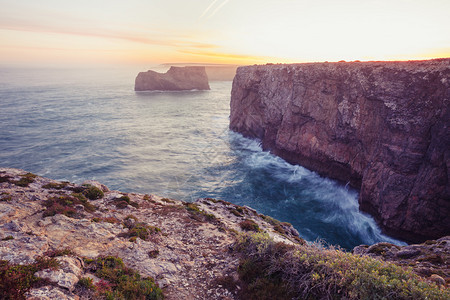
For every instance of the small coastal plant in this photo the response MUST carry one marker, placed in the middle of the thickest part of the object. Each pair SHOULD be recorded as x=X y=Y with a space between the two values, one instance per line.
x=16 y=280
x=59 y=252
x=271 y=270
x=118 y=281
x=138 y=229
x=25 y=180
x=123 y=201
x=249 y=225
x=199 y=214
x=91 y=192
x=66 y=205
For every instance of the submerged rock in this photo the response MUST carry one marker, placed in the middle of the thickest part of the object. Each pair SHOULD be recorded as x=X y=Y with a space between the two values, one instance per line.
x=176 y=79
x=382 y=126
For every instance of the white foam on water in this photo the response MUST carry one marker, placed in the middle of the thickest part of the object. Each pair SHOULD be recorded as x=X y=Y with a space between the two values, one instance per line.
x=340 y=201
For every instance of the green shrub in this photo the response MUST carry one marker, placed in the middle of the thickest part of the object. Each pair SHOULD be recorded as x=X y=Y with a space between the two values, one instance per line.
x=112 y=220
x=65 y=205
x=124 y=201
x=198 y=214
x=7 y=238
x=16 y=280
x=236 y=212
x=5 y=197
x=59 y=252
x=25 y=180
x=87 y=283
x=142 y=231
x=92 y=192
x=55 y=185
x=153 y=253
x=120 y=282
x=138 y=229
x=121 y=204
x=5 y=178
x=313 y=272
x=167 y=200
x=85 y=202
x=249 y=225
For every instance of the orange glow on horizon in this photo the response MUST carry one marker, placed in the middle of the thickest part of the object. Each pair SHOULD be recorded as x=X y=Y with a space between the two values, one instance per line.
x=221 y=31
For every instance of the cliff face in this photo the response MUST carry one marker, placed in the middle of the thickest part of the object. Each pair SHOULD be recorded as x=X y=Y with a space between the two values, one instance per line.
x=176 y=79
x=382 y=126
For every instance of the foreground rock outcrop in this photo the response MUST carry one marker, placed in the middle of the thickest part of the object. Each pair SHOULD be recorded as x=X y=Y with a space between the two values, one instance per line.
x=175 y=79
x=183 y=246
x=382 y=126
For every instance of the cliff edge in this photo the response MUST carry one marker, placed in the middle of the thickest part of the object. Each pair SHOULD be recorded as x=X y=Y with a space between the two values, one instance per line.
x=382 y=126
x=175 y=79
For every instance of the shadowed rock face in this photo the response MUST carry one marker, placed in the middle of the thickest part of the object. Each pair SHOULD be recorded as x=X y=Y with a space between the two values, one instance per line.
x=176 y=79
x=382 y=126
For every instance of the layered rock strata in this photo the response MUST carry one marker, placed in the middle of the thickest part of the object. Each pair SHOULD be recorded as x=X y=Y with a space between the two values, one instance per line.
x=382 y=126
x=175 y=79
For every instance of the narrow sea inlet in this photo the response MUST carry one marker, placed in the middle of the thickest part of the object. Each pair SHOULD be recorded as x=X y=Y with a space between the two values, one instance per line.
x=76 y=125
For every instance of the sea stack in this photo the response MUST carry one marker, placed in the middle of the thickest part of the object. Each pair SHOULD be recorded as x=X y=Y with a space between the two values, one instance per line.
x=176 y=79
x=382 y=126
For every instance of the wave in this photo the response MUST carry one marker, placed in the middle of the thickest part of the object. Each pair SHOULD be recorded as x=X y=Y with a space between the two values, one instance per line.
x=309 y=196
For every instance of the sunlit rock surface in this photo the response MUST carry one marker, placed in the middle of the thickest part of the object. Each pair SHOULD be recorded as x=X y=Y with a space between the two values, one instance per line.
x=382 y=126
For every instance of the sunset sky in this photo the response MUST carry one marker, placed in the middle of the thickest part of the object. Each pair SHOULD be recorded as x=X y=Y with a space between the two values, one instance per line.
x=143 y=32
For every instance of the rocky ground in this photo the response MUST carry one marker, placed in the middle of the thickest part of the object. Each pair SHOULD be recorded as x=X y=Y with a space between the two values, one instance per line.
x=189 y=257
x=187 y=247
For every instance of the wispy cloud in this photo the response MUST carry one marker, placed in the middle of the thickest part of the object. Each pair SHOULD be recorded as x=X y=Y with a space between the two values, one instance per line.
x=143 y=38
x=208 y=9
x=222 y=56
x=218 y=8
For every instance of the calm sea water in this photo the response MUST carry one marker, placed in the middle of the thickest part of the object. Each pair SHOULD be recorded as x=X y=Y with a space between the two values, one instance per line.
x=84 y=124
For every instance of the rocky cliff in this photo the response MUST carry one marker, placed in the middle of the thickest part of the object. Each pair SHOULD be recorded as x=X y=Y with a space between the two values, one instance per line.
x=382 y=126
x=176 y=79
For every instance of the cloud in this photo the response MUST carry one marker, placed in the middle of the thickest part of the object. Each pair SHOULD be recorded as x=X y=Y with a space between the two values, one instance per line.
x=241 y=58
x=143 y=38
x=219 y=7
x=208 y=8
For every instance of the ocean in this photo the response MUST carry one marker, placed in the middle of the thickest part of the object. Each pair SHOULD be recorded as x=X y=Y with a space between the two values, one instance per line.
x=81 y=124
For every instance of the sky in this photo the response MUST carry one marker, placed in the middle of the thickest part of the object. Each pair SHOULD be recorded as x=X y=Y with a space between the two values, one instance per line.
x=148 y=32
